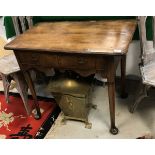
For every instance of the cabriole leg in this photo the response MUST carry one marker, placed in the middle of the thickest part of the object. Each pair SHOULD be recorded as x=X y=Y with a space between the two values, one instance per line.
x=111 y=94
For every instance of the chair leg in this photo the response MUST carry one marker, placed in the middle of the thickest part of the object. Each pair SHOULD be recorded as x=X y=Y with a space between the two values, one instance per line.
x=22 y=89
x=6 y=84
x=141 y=94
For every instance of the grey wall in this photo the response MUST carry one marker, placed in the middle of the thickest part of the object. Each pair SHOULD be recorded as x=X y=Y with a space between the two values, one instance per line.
x=132 y=60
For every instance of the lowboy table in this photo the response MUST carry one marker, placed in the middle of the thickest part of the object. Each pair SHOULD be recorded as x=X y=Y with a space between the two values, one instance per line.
x=86 y=47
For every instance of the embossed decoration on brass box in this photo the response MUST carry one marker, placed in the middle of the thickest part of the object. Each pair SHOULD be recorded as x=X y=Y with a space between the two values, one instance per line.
x=73 y=97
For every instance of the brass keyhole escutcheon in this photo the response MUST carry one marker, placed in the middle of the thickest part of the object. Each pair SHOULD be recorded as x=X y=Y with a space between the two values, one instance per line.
x=81 y=61
x=70 y=103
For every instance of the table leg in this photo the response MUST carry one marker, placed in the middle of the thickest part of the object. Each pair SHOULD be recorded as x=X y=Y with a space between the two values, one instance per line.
x=123 y=73
x=111 y=94
x=28 y=79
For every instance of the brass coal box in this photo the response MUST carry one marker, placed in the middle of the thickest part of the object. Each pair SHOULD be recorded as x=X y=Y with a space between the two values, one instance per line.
x=73 y=97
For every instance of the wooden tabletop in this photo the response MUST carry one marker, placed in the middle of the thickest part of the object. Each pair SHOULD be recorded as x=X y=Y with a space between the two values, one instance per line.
x=88 y=37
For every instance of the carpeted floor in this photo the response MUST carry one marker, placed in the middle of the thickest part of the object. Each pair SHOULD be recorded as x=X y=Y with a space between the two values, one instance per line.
x=15 y=124
x=137 y=125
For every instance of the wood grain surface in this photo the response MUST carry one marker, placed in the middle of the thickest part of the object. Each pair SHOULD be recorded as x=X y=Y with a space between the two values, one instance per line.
x=110 y=37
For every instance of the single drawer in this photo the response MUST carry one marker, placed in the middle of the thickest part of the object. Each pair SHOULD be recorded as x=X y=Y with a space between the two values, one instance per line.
x=61 y=61
x=38 y=59
x=76 y=62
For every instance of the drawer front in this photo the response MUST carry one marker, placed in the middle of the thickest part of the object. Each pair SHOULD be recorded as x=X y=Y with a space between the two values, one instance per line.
x=38 y=59
x=76 y=62
x=100 y=63
x=28 y=58
x=80 y=62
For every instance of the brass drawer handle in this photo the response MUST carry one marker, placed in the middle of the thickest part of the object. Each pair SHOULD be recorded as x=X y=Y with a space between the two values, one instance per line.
x=34 y=57
x=81 y=61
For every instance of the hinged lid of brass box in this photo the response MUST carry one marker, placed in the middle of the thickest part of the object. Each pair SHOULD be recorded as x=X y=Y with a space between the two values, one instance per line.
x=69 y=86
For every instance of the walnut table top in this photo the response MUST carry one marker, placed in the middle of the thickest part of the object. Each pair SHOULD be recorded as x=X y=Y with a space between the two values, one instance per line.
x=87 y=37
